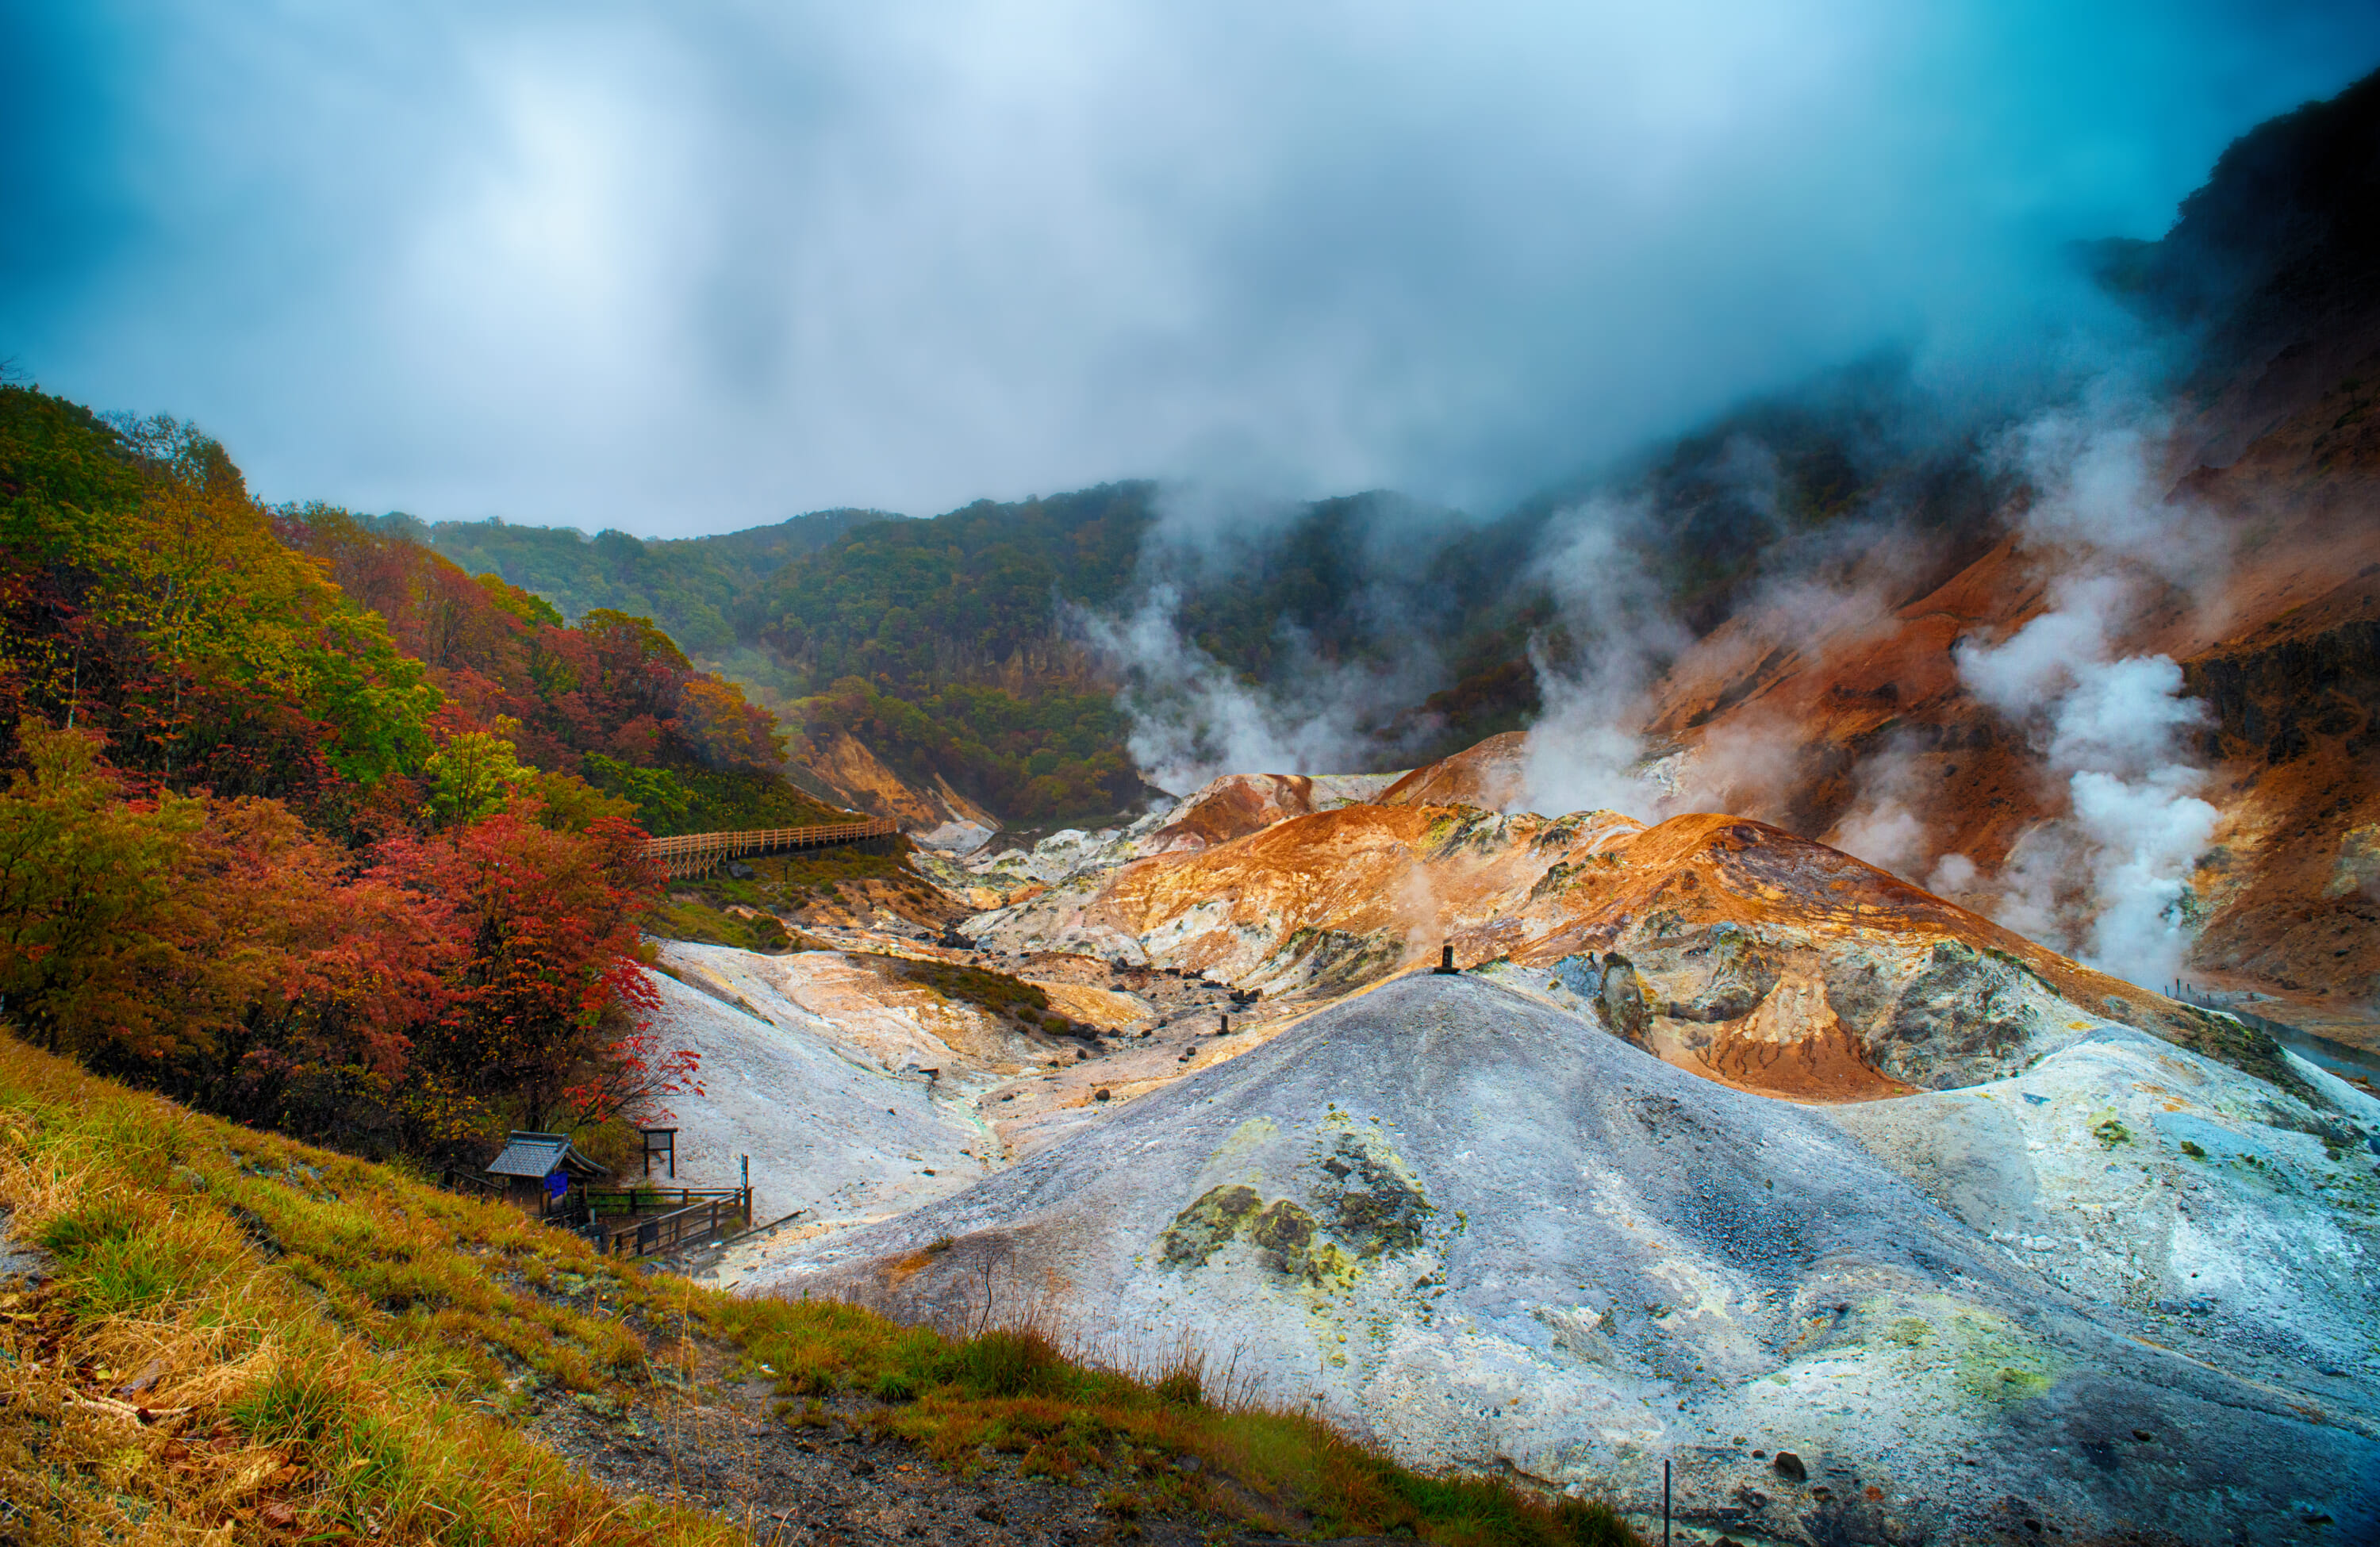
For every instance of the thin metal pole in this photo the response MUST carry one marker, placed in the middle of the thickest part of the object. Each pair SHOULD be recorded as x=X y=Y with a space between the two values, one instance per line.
x=1665 y=1504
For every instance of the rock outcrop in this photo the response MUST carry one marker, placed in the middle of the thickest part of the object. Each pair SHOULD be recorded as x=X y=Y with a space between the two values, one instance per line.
x=1490 y=775
x=933 y=814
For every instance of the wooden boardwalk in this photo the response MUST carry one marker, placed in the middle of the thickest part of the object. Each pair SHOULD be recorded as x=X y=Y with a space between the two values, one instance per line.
x=693 y=854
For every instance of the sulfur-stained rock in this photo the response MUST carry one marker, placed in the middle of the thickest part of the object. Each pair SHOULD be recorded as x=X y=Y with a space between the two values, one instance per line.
x=1679 y=936
x=1495 y=1237
x=1965 y=1018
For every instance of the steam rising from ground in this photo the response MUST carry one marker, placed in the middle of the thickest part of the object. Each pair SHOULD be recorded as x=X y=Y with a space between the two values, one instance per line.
x=1584 y=752
x=2107 y=880
x=1619 y=635
x=1193 y=718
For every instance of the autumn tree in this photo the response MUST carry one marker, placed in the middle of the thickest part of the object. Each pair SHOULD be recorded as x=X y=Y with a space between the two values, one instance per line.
x=549 y=983
x=86 y=891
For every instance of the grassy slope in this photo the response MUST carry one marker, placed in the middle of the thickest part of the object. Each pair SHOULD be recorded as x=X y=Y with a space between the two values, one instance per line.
x=273 y=1342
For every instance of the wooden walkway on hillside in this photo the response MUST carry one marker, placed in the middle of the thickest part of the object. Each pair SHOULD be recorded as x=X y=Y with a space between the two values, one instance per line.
x=693 y=854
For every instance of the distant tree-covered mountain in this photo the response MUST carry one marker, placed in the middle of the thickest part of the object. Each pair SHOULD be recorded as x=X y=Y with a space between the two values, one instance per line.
x=958 y=646
x=690 y=588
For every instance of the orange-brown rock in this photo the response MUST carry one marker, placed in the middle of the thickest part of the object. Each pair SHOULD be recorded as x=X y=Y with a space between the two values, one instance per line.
x=1784 y=710
x=857 y=775
x=1488 y=775
x=1724 y=946
x=1233 y=807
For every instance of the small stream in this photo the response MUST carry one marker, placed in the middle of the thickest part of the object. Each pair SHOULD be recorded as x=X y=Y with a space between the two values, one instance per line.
x=2347 y=1062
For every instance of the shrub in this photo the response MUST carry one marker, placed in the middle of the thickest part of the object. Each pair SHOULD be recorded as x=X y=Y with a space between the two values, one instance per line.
x=1592 y=1523
x=1011 y=1362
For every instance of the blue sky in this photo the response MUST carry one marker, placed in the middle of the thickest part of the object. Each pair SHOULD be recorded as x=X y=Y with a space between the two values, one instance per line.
x=687 y=267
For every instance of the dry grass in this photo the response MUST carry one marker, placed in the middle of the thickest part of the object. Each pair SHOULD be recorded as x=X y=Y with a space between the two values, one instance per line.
x=248 y=1340
x=1176 y=1436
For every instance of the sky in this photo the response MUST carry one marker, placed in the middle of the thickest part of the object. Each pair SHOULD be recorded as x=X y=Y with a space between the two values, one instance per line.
x=689 y=267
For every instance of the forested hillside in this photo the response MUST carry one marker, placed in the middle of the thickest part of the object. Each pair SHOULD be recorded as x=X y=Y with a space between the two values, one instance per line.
x=306 y=826
x=692 y=588
x=1003 y=647
x=958 y=646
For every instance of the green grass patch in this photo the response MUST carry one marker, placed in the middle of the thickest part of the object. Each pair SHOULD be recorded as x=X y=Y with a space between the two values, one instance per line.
x=680 y=918
x=1014 y=1390
x=325 y=1346
x=984 y=989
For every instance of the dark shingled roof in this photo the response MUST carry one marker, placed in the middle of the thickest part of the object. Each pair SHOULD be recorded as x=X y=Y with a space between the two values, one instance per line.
x=541 y=1154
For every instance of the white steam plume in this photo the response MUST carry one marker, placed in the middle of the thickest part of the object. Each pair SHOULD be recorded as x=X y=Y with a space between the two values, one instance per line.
x=1194 y=719
x=2106 y=880
x=1886 y=825
x=1584 y=751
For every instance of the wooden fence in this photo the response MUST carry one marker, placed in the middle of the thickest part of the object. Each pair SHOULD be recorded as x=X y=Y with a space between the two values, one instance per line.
x=631 y=1222
x=693 y=854
x=702 y=1216
x=469 y=1182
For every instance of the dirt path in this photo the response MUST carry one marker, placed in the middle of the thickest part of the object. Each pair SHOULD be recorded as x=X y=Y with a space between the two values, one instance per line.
x=835 y=1479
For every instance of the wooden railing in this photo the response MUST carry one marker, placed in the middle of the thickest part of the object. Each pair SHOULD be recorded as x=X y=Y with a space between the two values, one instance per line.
x=693 y=854
x=637 y=1235
x=642 y=1199
x=470 y=1183
x=632 y=1222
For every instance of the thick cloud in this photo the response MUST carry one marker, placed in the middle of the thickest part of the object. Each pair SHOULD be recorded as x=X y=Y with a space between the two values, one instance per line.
x=687 y=267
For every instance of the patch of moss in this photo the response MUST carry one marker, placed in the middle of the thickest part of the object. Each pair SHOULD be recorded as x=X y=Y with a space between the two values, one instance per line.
x=1290 y=1237
x=994 y=992
x=1996 y=1363
x=685 y=918
x=1285 y=1229
x=1200 y=1230
x=2223 y=1037
x=1375 y=1205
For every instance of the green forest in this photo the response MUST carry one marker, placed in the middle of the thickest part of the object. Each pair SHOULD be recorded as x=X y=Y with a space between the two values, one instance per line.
x=306 y=826
x=951 y=647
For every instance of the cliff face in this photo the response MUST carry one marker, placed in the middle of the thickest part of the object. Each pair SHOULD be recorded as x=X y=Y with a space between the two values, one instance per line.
x=934 y=814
